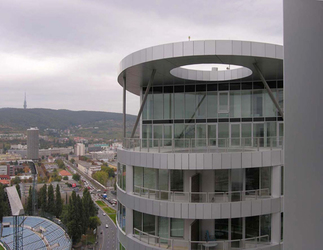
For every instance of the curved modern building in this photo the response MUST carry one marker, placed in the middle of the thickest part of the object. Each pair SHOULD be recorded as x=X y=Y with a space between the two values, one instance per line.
x=206 y=170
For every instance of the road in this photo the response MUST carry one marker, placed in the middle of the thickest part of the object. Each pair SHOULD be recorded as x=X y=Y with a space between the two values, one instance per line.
x=108 y=238
x=89 y=179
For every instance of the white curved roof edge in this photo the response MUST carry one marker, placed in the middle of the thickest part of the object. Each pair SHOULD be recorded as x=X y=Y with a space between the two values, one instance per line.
x=202 y=48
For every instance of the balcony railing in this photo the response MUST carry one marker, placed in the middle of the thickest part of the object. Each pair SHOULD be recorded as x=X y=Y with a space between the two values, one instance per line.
x=193 y=145
x=202 y=197
x=182 y=244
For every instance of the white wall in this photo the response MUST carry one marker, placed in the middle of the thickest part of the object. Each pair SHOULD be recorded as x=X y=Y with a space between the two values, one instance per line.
x=303 y=45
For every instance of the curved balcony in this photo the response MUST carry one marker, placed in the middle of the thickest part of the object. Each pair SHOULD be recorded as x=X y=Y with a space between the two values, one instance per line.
x=259 y=242
x=205 y=145
x=202 y=197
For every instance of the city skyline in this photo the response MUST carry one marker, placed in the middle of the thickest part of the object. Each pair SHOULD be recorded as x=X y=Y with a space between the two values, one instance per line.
x=63 y=53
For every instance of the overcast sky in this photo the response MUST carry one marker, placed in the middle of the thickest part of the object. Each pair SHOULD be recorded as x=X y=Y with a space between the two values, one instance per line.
x=65 y=53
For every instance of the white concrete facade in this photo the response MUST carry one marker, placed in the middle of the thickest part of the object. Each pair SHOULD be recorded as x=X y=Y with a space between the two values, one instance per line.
x=207 y=168
x=303 y=39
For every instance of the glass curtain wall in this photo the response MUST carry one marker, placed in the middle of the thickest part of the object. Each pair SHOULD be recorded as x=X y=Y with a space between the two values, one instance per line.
x=161 y=226
x=122 y=176
x=181 y=107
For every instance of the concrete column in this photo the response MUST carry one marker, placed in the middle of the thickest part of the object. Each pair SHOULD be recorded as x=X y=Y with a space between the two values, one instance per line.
x=129 y=179
x=124 y=107
x=275 y=228
x=129 y=221
x=276 y=181
x=303 y=183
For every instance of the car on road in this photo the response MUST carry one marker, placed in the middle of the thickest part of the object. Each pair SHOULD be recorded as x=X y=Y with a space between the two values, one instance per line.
x=103 y=214
x=106 y=225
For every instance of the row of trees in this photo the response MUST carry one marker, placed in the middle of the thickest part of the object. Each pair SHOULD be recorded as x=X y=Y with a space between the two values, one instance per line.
x=48 y=202
x=80 y=215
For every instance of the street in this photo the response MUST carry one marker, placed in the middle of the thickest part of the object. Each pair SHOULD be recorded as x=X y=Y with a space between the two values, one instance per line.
x=106 y=240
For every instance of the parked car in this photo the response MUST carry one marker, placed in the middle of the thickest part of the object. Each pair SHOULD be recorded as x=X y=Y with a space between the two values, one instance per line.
x=106 y=226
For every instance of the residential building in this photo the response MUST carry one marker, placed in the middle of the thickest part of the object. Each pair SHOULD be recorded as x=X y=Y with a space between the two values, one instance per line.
x=79 y=149
x=207 y=168
x=33 y=143
x=65 y=173
x=303 y=60
x=5 y=179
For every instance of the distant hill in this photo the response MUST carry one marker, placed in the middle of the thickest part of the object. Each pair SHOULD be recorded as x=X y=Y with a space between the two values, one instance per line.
x=16 y=120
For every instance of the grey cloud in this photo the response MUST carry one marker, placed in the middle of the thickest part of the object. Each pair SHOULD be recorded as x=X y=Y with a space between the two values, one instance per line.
x=84 y=42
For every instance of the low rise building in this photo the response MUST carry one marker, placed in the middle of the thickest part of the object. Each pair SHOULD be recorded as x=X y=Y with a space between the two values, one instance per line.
x=65 y=173
x=88 y=168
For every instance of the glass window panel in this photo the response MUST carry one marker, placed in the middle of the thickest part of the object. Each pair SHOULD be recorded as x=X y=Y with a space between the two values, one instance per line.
x=158 y=106
x=146 y=134
x=270 y=109
x=236 y=230
x=246 y=103
x=235 y=104
x=163 y=228
x=179 y=135
x=137 y=220
x=223 y=130
x=282 y=226
x=235 y=134
x=246 y=134
x=189 y=131
x=179 y=105
x=177 y=180
x=150 y=178
x=168 y=135
x=138 y=177
x=257 y=103
x=221 y=229
x=168 y=105
x=149 y=224
x=124 y=177
x=252 y=178
x=177 y=228
x=190 y=107
x=236 y=179
x=221 y=181
x=282 y=180
x=201 y=105
x=265 y=226
x=281 y=98
x=252 y=226
x=200 y=135
x=271 y=133
x=223 y=134
x=258 y=134
x=223 y=102
x=163 y=179
x=212 y=134
x=158 y=134
x=265 y=180
x=212 y=104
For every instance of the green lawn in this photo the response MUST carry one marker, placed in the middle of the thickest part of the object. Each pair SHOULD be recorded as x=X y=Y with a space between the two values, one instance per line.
x=1 y=248
x=108 y=210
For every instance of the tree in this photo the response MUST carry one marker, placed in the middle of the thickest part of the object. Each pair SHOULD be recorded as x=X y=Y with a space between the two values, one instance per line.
x=4 y=203
x=29 y=207
x=94 y=222
x=72 y=161
x=108 y=170
x=43 y=198
x=58 y=203
x=18 y=190
x=16 y=180
x=76 y=177
x=65 y=178
x=101 y=177
x=51 y=200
